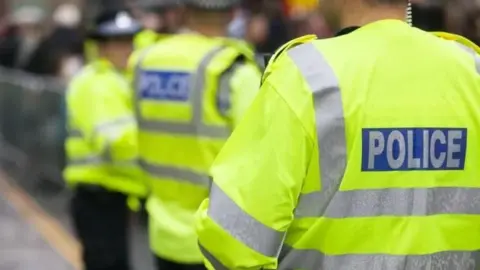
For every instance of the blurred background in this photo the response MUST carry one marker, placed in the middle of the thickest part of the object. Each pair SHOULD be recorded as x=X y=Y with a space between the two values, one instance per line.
x=50 y=32
x=42 y=47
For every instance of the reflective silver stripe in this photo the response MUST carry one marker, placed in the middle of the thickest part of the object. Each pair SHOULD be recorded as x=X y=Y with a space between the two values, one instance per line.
x=329 y=118
x=179 y=174
x=330 y=202
x=217 y=265
x=261 y=61
x=393 y=202
x=75 y=133
x=100 y=160
x=85 y=161
x=136 y=86
x=224 y=90
x=242 y=226
x=115 y=123
x=176 y=128
x=331 y=134
x=314 y=260
x=471 y=51
x=105 y=157
x=196 y=126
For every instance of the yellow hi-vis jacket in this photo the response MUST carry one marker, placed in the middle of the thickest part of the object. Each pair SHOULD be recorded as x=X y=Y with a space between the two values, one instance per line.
x=359 y=152
x=102 y=146
x=146 y=38
x=90 y=50
x=191 y=90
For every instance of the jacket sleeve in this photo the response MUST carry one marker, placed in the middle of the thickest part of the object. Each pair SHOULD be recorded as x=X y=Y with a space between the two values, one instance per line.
x=238 y=88
x=257 y=179
x=105 y=117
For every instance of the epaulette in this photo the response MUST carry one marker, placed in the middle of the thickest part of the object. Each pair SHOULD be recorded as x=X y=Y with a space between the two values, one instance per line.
x=459 y=39
x=285 y=47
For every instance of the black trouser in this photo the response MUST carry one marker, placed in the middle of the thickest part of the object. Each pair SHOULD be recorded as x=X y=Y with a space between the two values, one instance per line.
x=101 y=220
x=163 y=264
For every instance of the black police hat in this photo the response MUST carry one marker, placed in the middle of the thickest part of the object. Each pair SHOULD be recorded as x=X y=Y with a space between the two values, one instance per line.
x=114 y=23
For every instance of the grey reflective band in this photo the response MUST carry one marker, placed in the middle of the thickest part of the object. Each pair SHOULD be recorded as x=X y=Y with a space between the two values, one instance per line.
x=105 y=127
x=75 y=133
x=391 y=202
x=261 y=60
x=185 y=129
x=178 y=174
x=331 y=202
x=313 y=259
x=217 y=265
x=243 y=227
x=86 y=161
x=136 y=88
x=105 y=157
x=329 y=118
x=100 y=160
x=332 y=151
x=196 y=127
x=224 y=90
x=471 y=51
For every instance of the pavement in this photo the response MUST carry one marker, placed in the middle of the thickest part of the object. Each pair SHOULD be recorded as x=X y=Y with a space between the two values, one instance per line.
x=22 y=247
x=36 y=233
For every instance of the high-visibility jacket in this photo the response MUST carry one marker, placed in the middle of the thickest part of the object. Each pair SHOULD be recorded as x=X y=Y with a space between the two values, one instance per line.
x=102 y=146
x=191 y=91
x=359 y=152
x=146 y=38
x=90 y=50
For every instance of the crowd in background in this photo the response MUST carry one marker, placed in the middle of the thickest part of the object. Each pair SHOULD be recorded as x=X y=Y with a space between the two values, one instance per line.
x=53 y=44
x=26 y=44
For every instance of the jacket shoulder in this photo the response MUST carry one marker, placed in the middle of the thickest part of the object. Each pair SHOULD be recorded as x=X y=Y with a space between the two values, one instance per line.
x=92 y=75
x=459 y=39
x=82 y=75
x=465 y=44
x=282 y=50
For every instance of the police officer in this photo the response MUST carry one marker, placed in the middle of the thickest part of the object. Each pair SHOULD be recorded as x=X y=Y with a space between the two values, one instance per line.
x=192 y=90
x=160 y=18
x=102 y=145
x=359 y=152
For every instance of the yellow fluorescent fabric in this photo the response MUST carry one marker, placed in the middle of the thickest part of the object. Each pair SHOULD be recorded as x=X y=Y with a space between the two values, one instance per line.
x=96 y=113
x=198 y=162
x=296 y=161
x=145 y=38
x=460 y=39
x=270 y=127
x=91 y=51
x=179 y=138
x=366 y=235
x=244 y=83
x=103 y=131
x=209 y=243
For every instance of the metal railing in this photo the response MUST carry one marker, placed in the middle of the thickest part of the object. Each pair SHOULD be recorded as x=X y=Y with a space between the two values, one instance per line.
x=31 y=127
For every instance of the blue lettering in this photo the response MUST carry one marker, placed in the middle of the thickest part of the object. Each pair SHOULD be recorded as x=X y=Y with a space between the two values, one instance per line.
x=165 y=85
x=402 y=149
